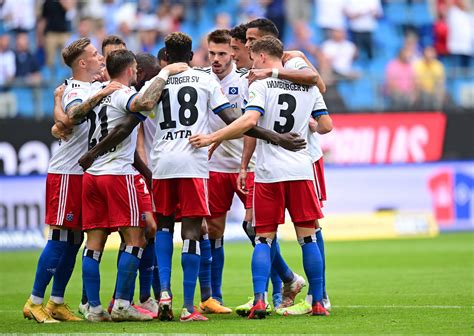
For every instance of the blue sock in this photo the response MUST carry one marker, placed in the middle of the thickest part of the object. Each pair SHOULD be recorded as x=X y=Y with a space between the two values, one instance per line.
x=146 y=270
x=279 y=264
x=127 y=271
x=320 y=242
x=155 y=283
x=190 y=260
x=91 y=275
x=276 y=281
x=205 y=268
x=47 y=266
x=65 y=269
x=119 y=254
x=164 y=255
x=313 y=266
x=217 y=249
x=261 y=262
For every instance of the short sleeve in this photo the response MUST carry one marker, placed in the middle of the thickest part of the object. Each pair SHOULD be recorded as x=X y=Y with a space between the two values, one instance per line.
x=123 y=99
x=256 y=97
x=217 y=99
x=296 y=63
x=75 y=96
x=319 y=107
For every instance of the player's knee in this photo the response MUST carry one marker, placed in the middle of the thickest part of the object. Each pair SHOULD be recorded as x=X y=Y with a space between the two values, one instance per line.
x=215 y=231
x=134 y=237
x=191 y=229
x=216 y=227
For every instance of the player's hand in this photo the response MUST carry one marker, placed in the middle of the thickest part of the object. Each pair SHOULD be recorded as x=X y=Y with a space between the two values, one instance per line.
x=86 y=161
x=176 y=68
x=313 y=125
x=291 y=141
x=150 y=227
x=101 y=77
x=256 y=74
x=242 y=181
x=212 y=148
x=62 y=133
x=59 y=91
x=111 y=88
x=200 y=140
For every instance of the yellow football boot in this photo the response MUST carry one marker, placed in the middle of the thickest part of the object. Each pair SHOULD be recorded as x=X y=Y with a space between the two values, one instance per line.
x=212 y=306
x=37 y=313
x=61 y=312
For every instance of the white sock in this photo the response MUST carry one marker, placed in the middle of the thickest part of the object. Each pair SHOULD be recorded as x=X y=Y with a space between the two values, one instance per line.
x=57 y=299
x=98 y=309
x=309 y=299
x=124 y=304
x=266 y=297
x=36 y=299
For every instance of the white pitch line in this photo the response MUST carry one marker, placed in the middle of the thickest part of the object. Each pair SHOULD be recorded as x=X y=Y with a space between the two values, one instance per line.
x=351 y=307
x=406 y=307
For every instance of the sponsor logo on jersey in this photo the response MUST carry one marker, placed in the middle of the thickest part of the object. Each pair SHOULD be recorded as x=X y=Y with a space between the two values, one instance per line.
x=233 y=90
x=71 y=95
x=251 y=96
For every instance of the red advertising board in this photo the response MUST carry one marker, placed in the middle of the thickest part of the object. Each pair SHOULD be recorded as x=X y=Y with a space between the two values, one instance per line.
x=385 y=138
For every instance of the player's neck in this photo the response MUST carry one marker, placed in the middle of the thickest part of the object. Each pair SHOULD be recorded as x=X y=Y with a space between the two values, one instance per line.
x=121 y=79
x=272 y=64
x=82 y=76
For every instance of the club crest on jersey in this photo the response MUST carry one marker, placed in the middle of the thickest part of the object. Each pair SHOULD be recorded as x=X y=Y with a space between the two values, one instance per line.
x=70 y=217
x=233 y=90
x=143 y=216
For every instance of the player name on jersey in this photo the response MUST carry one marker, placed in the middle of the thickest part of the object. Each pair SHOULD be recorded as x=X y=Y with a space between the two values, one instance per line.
x=278 y=84
x=182 y=80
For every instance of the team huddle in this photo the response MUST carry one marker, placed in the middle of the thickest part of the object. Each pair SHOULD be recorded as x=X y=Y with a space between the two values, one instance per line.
x=149 y=141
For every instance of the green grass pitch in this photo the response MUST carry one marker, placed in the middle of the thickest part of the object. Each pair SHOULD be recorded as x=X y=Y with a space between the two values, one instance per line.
x=412 y=286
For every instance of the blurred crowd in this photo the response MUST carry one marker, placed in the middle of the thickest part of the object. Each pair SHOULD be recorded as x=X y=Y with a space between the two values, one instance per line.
x=405 y=51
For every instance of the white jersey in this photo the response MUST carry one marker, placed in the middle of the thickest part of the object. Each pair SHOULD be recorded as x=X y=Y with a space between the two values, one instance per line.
x=183 y=110
x=65 y=159
x=314 y=147
x=285 y=107
x=111 y=111
x=227 y=157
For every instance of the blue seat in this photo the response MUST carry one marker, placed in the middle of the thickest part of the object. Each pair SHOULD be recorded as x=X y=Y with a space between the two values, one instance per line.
x=25 y=101
x=419 y=14
x=396 y=12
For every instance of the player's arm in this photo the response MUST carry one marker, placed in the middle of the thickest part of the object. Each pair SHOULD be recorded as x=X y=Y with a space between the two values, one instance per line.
x=142 y=168
x=62 y=127
x=288 y=55
x=115 y=137
x=77 y=112
x=321 y=122
x=148 y=97
x=141 y=144
x=290 y=141
x=249 y=148
x=233 y=130
x=304 y=74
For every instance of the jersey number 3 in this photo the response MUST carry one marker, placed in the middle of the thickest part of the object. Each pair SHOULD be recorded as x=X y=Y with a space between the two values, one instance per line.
x=286 y=113
x=185 y=107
